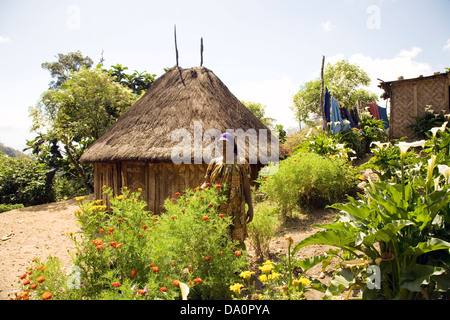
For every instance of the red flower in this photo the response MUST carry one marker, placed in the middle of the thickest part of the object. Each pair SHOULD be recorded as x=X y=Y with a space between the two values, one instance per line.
x=151 y=265
x=177 y=194
x=119 y=245
x=172 y=199
x=205 y=218
x=218 y=186
x=176 y=283
x=238 y=253
x=100 y=247
x=116 y=284
x=198 y=280
x=140 y=235
x=102 y=231
x=172 y=264
x=111 y=229
x=163 y=289
x=120 y=219
x=221 y=215
x=207 y=184
x=141 y=292
x=182 y=210
x=172 y=217
x=113 y=244
x=133 y=273
x=221 y=252
x=155 y=269
x=208 y=257
x=202 y=197
x=210 y=205
x=144 y=227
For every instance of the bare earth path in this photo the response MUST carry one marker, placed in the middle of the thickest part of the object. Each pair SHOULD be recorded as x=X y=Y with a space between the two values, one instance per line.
x=40 y=231
x=35 y=232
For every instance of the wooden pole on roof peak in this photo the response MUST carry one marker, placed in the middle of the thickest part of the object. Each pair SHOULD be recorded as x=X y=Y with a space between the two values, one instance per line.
x=201 y=52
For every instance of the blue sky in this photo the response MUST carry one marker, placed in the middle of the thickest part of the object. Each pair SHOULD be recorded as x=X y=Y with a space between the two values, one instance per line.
x=262 y=50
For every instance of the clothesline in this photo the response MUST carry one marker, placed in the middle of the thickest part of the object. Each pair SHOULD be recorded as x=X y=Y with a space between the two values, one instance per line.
x=343 y=119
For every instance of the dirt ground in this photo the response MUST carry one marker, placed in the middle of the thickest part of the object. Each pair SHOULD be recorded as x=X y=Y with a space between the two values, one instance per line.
x=40 y=231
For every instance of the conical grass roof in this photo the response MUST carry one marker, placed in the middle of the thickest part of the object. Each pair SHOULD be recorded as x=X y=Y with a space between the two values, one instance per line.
x=176 y=100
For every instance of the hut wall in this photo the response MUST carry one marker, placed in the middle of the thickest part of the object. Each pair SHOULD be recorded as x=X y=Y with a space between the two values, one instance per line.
x=158 y=181
x=409 y=99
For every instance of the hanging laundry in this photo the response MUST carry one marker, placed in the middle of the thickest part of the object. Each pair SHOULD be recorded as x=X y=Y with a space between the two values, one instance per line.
x=348 y=116
x=373 y=110
x=354 y=113
x=383 y=116
x=326 y=107
x=336 y=120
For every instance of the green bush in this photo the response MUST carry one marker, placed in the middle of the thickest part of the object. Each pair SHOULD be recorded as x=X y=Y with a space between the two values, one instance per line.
x=354 y=140
x=127 y=253
x=8 y=207
x=23 y=181
x=263 y=228
x=373 y=130
x=309 y=180
x=421 y=129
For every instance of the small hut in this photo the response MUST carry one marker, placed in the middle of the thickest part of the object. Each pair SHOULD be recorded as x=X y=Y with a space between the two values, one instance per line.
x=409 y=97
x=138 y=150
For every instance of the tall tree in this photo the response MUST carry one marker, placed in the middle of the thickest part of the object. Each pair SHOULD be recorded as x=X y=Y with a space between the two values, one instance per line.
x=75 y=115
x=345 y=81
x=65 y=66
x=259 y=111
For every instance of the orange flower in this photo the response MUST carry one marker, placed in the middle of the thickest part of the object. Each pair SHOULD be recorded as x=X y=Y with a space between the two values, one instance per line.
x=47 y=295
x=177 y=194
x=34 y=286
x=176 y=283
x=205 y=218
x=207 y=184
x=163 y=289
x=172 y=263
x=102 y=231
x=155 y=269
x=26 y=282
x=113 y=244
x=40 y=279
x=23 y=276
x=172 y=199
x=100 y=247
x=238 y=253
x=133 y=273
x=119 y=245
x=111 y=229
x=172 y=217
x=218 y=186
x=208 y=257
x=120 y=219
x=221 y=252
x=210 y=205
x=116 y=284
x=198 y=280
x=221 y=215
x=144 y=227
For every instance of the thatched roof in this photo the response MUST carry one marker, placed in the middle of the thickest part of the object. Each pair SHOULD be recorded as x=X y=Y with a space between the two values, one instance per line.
x=175 y=101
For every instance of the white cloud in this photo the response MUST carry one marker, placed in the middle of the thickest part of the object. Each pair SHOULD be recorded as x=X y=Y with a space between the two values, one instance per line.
x=447 y=46
x=5 y=39
x=403 y=64
x=276 y=94
x=327 y=26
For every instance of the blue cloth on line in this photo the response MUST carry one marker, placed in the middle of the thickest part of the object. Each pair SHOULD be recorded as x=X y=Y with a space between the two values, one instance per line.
x=336 y=120
x=383 y=116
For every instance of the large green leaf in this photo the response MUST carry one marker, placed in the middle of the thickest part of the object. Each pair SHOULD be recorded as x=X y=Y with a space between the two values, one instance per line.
x=336 y=238
x=431 y=244
x=417 y=275
x=340 y=282
x=308 y=263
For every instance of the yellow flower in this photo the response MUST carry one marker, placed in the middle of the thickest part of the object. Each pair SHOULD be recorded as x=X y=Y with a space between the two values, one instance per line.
x=305 y=282
x=246 y=274
x=69 y=233
x=274 y=275
x=289 y=239
x=79 y=198
x=77 y=211
x=122 y=196
x=268 y=262
x=98 y=201
x=266 y=268
x=263 y=278
x=236 y=288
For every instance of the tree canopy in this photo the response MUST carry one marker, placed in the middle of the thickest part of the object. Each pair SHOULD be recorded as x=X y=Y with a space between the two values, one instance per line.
x=345 y=81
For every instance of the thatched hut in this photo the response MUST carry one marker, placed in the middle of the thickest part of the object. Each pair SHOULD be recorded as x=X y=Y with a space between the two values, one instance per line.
x=138 y=150
x=409 y=97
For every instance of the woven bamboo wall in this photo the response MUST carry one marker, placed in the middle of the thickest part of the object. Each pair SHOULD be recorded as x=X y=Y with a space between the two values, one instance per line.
x=409 y=99
x=158 y=181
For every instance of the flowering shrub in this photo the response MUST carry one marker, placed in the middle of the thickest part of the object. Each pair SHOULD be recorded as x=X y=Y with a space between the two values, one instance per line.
x=127 y=253
x=307 y=180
